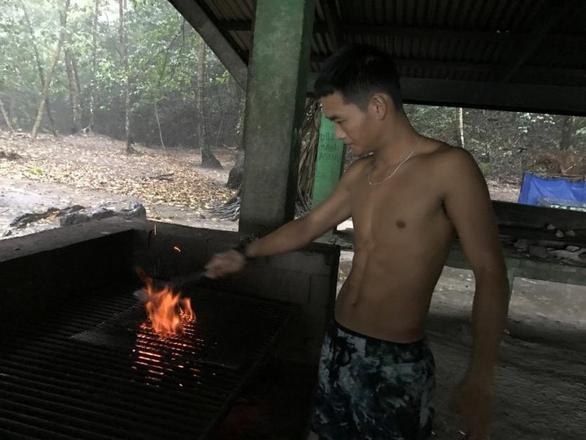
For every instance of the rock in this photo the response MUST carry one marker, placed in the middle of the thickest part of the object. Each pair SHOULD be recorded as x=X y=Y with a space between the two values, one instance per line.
x=31 y=217
x=522 y=245
x=559 y=234
x=10 y=155
x=573 y=248
x=537 y=251
x=570 y=233
x=39 y=220
x=550 y=227
x=135 y=210
x=569 y=256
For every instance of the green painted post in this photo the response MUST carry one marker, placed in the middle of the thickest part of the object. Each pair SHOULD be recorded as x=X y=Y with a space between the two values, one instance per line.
x=277 y=85
x=329 y=163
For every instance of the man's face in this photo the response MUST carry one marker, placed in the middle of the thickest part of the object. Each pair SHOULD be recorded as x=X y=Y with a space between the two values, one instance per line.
x=354 y=126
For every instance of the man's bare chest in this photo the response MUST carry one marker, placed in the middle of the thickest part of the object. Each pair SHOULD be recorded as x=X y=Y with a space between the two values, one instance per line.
x=403 y=206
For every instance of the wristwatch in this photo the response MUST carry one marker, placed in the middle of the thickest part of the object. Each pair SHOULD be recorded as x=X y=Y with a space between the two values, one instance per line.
x=243 y=244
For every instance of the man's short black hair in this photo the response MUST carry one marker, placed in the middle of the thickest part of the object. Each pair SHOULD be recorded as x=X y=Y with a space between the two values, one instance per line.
x=357 y=72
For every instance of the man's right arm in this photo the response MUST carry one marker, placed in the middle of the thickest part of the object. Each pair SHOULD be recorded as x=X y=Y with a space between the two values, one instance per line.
x=297 y=233
x=300 y=232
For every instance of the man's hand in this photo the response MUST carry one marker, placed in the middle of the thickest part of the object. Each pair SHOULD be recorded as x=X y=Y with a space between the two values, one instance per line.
x=473 y=400
x=225 y=263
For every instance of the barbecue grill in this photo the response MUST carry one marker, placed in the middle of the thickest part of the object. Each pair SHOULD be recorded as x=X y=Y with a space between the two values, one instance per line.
x=78 y=359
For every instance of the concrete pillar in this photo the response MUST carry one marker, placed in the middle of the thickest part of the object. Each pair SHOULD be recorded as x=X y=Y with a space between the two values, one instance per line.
x=277 y=81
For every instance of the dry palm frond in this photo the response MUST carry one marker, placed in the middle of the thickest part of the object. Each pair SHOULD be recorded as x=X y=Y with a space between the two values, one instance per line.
x=566 y=163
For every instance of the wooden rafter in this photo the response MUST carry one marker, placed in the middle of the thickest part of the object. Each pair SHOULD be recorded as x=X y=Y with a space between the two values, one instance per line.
x=212 y=35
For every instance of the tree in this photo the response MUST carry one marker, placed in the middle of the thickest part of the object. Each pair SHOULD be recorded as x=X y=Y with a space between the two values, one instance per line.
x=94 y=65
x=47 y=82
x=34 y=44
x=5 y=116
x=567 y=132
x=237 y=172
x=122 y=5
x=74 y=92
x=90 y=88
x=461 y=127
x=208 y=160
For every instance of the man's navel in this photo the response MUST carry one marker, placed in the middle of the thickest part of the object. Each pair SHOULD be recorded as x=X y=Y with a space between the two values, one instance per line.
x=400 y=224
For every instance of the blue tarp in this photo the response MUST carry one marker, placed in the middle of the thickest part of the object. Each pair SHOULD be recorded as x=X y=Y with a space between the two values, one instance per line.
x=553 y=192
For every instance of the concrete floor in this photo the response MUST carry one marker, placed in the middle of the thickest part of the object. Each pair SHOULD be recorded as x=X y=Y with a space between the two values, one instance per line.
x=541 y=382
x=541 y=386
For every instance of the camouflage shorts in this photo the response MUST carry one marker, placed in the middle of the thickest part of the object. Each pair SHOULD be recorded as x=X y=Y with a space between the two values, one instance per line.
x=370 y=389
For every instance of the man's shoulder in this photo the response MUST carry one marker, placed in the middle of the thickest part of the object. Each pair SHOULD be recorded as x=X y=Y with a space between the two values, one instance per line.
x=448 y=166
x=357 y=168
x=455 y=169
x=450 y=159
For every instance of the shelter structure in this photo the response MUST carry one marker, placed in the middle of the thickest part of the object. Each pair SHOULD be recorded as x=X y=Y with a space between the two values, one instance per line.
x=61 y=286
x=518 y=55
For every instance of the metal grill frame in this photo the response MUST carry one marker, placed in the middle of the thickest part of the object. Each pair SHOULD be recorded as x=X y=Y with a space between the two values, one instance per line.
x=54 y=387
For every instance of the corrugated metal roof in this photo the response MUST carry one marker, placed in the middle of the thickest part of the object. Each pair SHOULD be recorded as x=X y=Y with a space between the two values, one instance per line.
x=467 y=40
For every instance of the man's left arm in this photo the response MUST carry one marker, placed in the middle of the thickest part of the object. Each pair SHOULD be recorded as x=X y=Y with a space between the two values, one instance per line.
x=469 y=208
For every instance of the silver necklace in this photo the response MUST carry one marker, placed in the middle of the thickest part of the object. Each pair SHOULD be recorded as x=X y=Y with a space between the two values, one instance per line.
x=371 y=183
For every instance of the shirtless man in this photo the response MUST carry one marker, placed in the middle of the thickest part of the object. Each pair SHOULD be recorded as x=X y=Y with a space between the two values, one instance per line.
x=408 y=196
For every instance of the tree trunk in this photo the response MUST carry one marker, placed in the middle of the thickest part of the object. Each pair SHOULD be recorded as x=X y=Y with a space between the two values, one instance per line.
x=237 y=172
x=5 y=116
x=567 y=132
x=159 y=126
x=77 y=87
x=73 y=92
x=126 y=81
x=208 y=160
x=39 y=66
x=45 y=91
x=461 y=127
x=92 y=109
x=11 y=111
x=308 y=155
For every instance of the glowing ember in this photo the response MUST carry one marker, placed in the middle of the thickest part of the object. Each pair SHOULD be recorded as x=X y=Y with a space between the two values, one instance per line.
x=167 y=311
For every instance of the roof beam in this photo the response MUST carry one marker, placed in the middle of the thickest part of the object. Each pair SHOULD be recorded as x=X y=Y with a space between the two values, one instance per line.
x=495 y=95
x=204 y=26
x=410 y=31
x=456 y=67
x=490 y=95
x=236 y=25
x=565 y=73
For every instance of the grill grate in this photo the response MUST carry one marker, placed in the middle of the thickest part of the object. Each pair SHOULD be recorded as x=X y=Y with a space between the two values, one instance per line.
x=58 y=387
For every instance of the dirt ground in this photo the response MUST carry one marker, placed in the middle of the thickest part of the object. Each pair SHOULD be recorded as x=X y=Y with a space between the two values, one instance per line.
x=541 y=387
x=95 y=171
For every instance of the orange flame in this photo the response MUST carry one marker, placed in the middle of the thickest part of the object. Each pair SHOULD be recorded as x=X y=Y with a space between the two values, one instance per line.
x=167 y=311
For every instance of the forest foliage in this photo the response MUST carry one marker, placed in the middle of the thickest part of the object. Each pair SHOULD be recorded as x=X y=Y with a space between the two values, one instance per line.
x=136 y=70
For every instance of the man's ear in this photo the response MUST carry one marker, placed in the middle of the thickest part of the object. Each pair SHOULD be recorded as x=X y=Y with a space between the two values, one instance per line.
x=380 y=106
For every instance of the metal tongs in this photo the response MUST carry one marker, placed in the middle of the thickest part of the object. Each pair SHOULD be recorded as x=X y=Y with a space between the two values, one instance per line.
x=174 y=283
